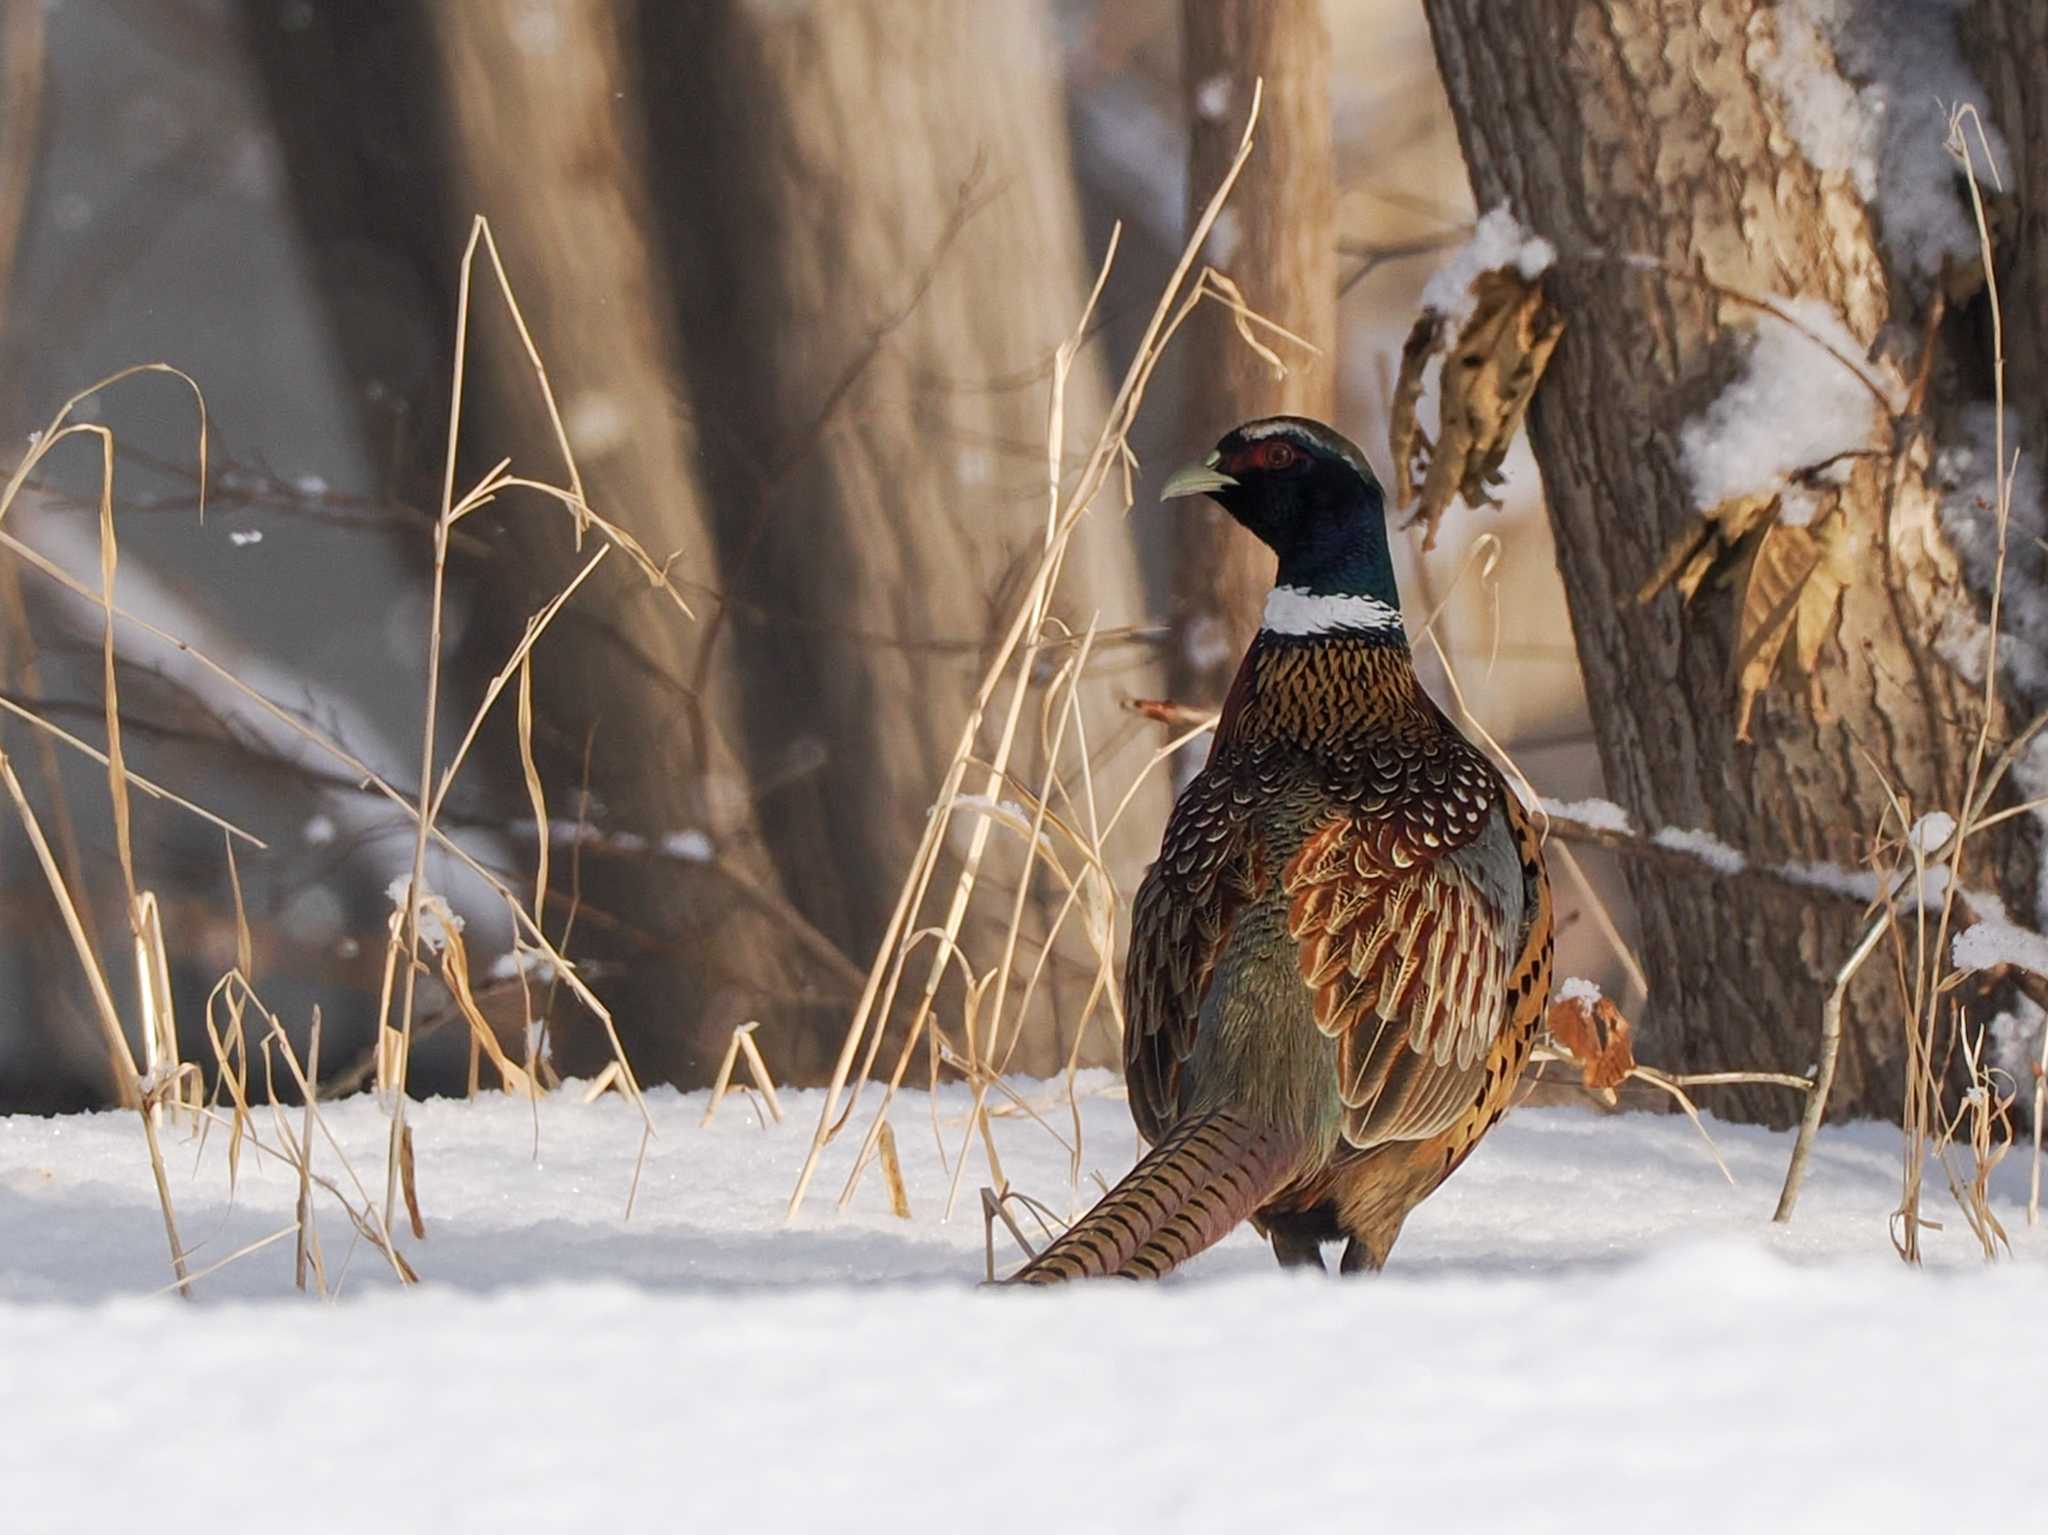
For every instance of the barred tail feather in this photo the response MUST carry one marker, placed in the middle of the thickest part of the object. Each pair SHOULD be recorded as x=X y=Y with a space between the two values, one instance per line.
x=1210 y=1172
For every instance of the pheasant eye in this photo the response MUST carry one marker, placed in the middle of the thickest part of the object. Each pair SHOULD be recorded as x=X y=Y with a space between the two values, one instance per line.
x=1277 y=455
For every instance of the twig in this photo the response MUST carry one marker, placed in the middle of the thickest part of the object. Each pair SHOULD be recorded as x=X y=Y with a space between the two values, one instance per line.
x=1824 y=1073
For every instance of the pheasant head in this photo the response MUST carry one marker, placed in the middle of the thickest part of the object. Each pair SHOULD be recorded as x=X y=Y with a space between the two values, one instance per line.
x=1308 y=493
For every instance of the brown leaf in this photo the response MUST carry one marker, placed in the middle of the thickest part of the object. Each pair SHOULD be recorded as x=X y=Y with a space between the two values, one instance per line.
x=1703 y=544
x=1406 y=444
x=1766 y=602
x=1788 y=582
x=1484 y=387
x=408 y=1184
x=1594 y=1034
x=1820 y=604
x=1791 y=586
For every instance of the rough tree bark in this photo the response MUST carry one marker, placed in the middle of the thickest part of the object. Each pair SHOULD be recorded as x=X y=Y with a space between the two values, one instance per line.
x=1638 y=126
x=1278 y=241
x=874 y=212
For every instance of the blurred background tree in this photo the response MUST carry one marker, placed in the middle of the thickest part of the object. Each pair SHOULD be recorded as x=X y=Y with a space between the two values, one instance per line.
x=797 y=272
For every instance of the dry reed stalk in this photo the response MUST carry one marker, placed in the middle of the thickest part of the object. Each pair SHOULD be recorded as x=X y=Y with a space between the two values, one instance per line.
x=982 y=1068
x=406 y=939
x=1927 y=974
x=167 y=1077
x=1013 y=661
x=422 y=809
x=1923 y=1088
x=180 y=1285
x=231 y=1055
x=995 y=1207
x=1985 y=1113
x=742 y=1044
x=2040 y=1116
x=308 y=1254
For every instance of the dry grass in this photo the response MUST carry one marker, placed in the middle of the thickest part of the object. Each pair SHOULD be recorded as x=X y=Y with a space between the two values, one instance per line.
x=1940 y=1121
x=1059 y=817
x=244 y=1033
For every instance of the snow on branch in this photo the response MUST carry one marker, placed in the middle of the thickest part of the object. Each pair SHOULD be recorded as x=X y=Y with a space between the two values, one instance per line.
x=1795 y=412
x=1483 y=339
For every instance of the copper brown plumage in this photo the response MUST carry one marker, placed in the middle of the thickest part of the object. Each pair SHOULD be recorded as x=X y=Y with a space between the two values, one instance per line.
x=1339 y=962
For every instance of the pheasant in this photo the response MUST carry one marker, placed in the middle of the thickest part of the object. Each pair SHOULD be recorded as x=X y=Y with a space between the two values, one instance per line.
x=1339 y=962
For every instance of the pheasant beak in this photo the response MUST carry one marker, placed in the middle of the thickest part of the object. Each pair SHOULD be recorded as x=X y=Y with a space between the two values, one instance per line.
x=1198 y=480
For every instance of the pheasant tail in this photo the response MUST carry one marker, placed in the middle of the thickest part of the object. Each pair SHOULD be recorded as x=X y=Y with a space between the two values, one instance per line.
x=1210 y=1172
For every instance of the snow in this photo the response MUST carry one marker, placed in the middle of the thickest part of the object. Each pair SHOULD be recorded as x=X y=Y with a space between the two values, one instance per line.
x=531 y=963
x=1827 y=116
x=1932 y=831
x=1600 y=814
x=1967 y=472
x=1577 y=989
x=243 y=537
x=1584 y=1319
x=1884 y=126
x=1858 y=884
x=437 y=921
x=1987 y=945
x=1797 y=403
x=1207 y=643
x=1497 y=241
x=2019 y=1042
x=1212 y=97
x=1703 y=845
x=690 y=846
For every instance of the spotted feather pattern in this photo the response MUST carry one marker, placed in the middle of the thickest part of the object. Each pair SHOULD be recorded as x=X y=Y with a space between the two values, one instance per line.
x=1411 y=882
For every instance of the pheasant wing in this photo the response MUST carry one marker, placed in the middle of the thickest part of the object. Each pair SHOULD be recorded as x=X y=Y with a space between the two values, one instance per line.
x=1410 y=948
x=1207 y=871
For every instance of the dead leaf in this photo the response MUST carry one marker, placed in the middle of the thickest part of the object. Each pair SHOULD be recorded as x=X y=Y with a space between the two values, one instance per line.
x=1767 y=599
x=1788 y=581
x=1594 y=1034
x=1407 y=445
x=1820 y=604
x=892 y=1175
x=1706 y=543
x=455 y=975
x=1484 y=386
x=1791 y=586
x=408 y=1184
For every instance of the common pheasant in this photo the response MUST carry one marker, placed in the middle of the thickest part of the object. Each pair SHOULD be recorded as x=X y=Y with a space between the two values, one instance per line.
x=1340 y=960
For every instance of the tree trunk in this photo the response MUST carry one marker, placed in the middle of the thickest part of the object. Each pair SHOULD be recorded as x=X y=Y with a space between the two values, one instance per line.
x=874 y=210
x=1277 y=240
x=1640 y=128
x=553 y=155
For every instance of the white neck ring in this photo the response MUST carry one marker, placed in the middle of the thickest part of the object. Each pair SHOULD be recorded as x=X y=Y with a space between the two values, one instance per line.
x=1290 y=610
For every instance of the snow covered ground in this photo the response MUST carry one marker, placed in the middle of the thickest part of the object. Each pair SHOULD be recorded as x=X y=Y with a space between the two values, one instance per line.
x=1588 y=1329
